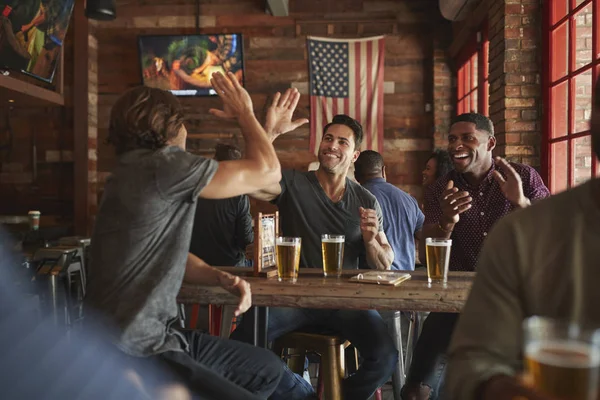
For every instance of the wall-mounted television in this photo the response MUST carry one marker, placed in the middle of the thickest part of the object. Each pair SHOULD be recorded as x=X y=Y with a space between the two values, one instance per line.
x=183 y=64
x=32 y=33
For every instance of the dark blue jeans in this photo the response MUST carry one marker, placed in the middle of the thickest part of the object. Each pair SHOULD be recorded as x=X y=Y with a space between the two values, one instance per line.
x=366 y=330
x=429 y=360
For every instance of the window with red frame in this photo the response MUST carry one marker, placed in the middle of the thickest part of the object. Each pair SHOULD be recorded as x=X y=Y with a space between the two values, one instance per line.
x=572 y=60
x=472 y=78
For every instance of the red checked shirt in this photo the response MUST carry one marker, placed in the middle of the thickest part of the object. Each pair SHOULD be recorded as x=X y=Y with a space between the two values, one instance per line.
x=488 y=206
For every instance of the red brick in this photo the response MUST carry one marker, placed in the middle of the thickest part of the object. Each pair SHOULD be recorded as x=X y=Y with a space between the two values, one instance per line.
x=512 y=138
x=512 y=33
x=520 y=126
x=529 y=44
x=512 y=91
x=512 y=20
x=512 y=8
x=530 y=90
x=512 y=44
x=529 y=115
x=512 y=67
x=520 y=102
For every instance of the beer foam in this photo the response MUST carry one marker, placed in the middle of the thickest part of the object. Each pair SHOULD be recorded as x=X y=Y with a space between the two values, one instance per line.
x=335 y=240
x=571 y=354
x=288 y=244
x=436 y=244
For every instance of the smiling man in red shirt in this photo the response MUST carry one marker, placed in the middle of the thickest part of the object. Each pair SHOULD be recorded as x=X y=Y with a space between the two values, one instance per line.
x=463 y=206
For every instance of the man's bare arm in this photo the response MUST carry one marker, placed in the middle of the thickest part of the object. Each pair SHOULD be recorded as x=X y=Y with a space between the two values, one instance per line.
x=278 y=122
x=380 y=254
x=260 y=168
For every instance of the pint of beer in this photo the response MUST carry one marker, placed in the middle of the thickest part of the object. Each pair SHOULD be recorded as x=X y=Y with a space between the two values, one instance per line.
x=287 y=252
x=438 y=259
x=332 y=247
x=562 y=360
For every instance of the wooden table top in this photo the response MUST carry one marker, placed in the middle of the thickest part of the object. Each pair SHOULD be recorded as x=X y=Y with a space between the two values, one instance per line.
x=312 y=290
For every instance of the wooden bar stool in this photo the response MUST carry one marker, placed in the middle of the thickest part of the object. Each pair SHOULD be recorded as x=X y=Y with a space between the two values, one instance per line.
x=331 y=349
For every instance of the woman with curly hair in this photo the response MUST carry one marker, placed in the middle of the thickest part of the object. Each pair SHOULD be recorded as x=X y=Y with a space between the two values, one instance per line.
x=438 y=164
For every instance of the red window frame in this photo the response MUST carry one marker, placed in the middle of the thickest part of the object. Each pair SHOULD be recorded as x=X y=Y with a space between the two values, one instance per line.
x=569 y=70
x=473 y=75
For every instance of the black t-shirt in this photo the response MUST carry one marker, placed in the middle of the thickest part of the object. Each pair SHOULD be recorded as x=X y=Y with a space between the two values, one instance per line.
x=306 y=212
x=222 y=230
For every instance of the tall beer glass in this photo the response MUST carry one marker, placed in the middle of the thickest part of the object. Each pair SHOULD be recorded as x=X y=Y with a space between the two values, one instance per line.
x=438 y=259
x=562 y=359
x=287 y=251
x=332 y=247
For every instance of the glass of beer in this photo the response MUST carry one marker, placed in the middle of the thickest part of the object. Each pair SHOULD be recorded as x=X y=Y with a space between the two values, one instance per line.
x=438 y=259
x=562 y=359
x=287 y=251
x=332 y=247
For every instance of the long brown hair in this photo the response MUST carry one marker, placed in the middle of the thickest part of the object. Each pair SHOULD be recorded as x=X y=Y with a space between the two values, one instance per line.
x=145 y=118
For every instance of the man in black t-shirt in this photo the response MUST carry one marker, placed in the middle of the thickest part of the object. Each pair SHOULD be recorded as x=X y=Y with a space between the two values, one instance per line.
x=327 y=202
x=223 y=227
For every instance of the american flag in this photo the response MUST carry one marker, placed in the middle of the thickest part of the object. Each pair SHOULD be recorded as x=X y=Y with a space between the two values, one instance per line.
x=346 y=77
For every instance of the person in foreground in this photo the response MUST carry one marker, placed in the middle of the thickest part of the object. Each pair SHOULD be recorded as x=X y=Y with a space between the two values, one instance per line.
x=539 y=261
x=402 y=218
x=320 y=202
x=463 y=205
x=139 y=254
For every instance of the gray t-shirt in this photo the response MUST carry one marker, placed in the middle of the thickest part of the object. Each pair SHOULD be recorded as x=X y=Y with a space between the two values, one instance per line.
x=140 y=244
x=306 y=212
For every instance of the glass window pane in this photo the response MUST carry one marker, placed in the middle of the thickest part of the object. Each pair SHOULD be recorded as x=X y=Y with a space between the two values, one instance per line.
x=560 y=50
x=582 y=103
x=474 y=69
x=467 y=81
x=583 y=37
x=582 y=160
x=474 y=104
x=559 y=9
x=559 y=105
x=460 y=84
x=559 y=167
x=578 y=2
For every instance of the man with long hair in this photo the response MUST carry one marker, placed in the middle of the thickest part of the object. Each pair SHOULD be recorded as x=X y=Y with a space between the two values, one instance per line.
x=140 y=244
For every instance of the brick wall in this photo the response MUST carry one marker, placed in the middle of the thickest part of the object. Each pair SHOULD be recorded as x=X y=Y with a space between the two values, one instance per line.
x=274 y=52
x=443 y=96
x=515 y=82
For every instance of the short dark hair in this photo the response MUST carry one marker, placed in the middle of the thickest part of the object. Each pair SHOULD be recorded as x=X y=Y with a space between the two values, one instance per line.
x=343 y=119
x=443 y=162
x=227 y=152
x=368 y=163
x=144 y=118
x=482 y=123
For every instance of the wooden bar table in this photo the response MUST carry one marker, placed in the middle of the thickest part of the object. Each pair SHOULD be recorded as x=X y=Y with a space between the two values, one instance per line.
x=312 y=290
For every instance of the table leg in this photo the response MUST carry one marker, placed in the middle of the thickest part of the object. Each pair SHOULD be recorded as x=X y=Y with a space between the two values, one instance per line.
x=261 y=323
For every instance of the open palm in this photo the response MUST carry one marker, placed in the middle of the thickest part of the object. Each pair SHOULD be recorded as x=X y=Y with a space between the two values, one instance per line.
x=280 y=112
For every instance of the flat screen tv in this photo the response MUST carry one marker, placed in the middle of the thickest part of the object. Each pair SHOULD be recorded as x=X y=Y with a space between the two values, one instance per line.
x=32 y=33
x=184 y=64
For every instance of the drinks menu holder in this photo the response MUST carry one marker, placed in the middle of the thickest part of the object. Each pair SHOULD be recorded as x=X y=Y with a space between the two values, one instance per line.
x=266 y=230
x=393 y=278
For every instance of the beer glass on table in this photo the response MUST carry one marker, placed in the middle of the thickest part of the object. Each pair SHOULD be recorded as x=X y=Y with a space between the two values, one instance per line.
x=332 y=247
x=438 y=259
x=562 y=359
x=287 y=252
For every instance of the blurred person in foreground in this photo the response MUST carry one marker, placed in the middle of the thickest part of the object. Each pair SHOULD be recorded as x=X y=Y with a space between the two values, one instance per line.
x=540 y=261
x=43 y=361
x=140 y=244
x=223 y=227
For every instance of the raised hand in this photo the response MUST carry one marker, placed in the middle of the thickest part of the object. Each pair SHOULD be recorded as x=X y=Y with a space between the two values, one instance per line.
x=239 y=287
x=236 y=100
x=512 y=185
x=369 y=224
x=453 y=203
x=280 y=112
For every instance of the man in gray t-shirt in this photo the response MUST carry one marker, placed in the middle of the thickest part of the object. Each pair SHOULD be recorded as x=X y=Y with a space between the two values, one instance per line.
x=326 y=201
x=139 y=254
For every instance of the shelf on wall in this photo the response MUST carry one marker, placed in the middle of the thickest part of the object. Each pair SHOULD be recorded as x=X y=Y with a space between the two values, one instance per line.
x=27 y=94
